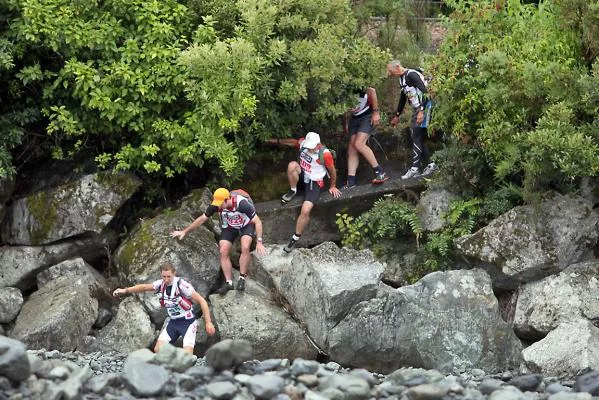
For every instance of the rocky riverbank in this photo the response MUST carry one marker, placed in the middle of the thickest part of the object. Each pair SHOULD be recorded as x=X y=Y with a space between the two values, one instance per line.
x=228 y=372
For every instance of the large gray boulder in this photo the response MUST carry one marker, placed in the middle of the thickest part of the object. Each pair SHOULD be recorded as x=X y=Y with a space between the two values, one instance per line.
x=326 y=282
x=69 y=311
x=11 y=301
x=566 y=351
x=531 y=242
x=432 y=208
x=571 y=295
x=254 y=316
x=270 y=268
x=446 y=321
x=19 y=265
x=150 y=245
x=86 y=205
x=130 y=330
x=77 y=267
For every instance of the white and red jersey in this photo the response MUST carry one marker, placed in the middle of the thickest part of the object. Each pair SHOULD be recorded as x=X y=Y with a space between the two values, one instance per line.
x=240 y=214
x=171 y=296
x=310 y=163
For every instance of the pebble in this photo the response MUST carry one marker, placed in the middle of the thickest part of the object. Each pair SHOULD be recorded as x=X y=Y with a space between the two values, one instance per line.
x=110 y=376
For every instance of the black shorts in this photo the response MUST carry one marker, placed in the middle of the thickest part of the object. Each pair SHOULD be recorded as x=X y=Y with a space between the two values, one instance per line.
x=230 y=234
x=363 y=123
x=311 y=190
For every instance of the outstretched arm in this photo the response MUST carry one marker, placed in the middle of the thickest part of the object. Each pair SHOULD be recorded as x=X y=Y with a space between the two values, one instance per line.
x=142 y=287
x=290 y=142
x=196 y=223
x=196 y=297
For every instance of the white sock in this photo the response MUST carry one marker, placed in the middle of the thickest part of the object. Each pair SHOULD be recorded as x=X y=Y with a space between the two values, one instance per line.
x=294 y=190
x=230 y=282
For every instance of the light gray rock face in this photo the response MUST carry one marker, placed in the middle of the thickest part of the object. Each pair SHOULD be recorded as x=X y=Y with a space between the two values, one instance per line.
x=150 y=245
x=69 y=312
x=77 y=267
x=74 y=208
x=531 y=242
x=589 y=189
x=565 y=351
x=326 y=283
x=447 y=320
x=432 y=207
x=269 y=269
x=571 y=295
x=129 y=330
x=196 y=203
x=262 y=322
x=19 y=265
x=14 y=363
x=11 y=301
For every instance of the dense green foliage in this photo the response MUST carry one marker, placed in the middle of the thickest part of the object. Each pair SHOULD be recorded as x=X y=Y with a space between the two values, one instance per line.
x=517 y=94
x=388 y=219
x=395 y=219
x=513 y=81
x=162 y=86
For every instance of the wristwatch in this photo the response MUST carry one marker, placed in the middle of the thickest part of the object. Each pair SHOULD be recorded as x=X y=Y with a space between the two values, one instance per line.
x=260 y=239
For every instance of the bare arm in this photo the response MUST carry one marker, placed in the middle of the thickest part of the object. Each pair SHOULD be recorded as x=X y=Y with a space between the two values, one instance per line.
x=142 y=287
x=290 y=142
x=333 y=176
x=196 y=297
x=374 y=106
x=196 y=223
x=258 y=224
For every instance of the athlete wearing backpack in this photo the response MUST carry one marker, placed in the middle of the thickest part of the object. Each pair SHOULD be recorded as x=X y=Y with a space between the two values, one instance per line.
x=414 y=88
x=360 y=122
x=238 y=219
x=315 y=162
x=176 y=295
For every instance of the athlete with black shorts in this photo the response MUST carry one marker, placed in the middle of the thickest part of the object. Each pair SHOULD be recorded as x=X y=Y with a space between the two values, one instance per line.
x=360 y=124
x=238 y=219
x=315 y=162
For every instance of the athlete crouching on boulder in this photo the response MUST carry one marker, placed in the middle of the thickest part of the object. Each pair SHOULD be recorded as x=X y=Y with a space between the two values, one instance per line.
x=176 y=295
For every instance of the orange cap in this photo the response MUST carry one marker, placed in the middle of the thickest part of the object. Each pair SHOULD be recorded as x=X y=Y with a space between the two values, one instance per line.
x=220 y=195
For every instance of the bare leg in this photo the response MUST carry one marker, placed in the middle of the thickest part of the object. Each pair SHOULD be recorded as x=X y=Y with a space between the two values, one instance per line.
x=225 y=259
x=304 y=217
x=364 y=149
x=353 y=158
x=293 y=173
x=244 y=259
